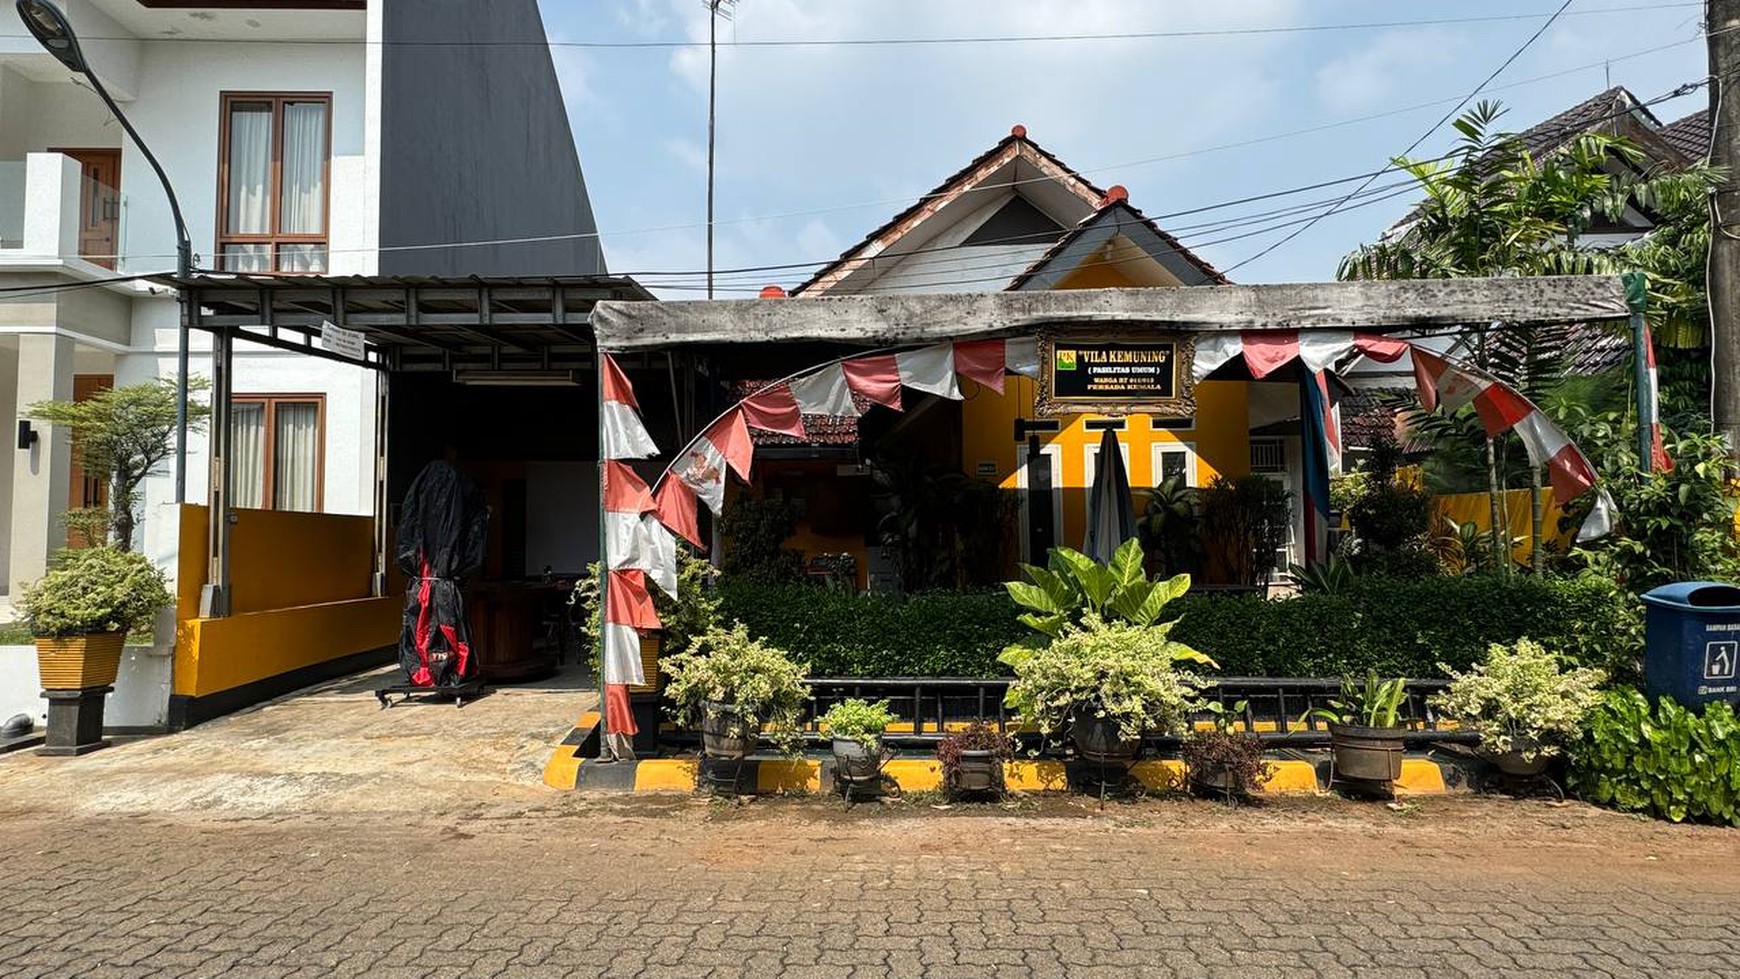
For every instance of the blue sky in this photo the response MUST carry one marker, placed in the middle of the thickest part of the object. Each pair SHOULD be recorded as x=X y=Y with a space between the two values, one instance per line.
x=818 y=145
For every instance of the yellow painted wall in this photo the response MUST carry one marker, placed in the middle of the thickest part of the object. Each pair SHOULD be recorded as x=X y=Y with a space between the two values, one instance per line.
x=301 y=597
x=1463 y=507
x=1221 y=439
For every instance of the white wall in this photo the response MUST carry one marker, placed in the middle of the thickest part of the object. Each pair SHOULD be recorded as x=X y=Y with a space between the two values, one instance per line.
x=178 y=115
x=140 y=699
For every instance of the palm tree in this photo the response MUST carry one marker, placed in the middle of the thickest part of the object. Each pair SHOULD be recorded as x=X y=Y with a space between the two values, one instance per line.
x=1494 y=207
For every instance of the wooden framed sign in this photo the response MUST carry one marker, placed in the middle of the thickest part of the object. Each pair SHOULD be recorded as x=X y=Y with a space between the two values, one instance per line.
x=1147 y=374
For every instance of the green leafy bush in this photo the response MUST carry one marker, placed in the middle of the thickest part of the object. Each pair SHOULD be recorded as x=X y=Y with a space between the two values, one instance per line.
x=728 y=666
x=857 y=720
x=1074 y=587
x=1668 y=762
x=94 y=589
x=1399 y=628
x=1125 y=673
x=1520 y=699
x=755 y=531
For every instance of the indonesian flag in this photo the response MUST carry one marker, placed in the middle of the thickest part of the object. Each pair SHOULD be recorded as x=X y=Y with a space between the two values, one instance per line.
x=624 y=437
x=1659 y=460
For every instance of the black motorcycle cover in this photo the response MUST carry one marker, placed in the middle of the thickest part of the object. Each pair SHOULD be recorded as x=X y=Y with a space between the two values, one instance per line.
x=443 y=534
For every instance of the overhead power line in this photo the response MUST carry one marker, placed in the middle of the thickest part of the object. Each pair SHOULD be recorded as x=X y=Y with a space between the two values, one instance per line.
x=1307 y=226
x=663 y=44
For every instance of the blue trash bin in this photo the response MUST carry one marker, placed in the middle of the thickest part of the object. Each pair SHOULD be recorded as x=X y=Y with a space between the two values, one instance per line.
x=1692 y=642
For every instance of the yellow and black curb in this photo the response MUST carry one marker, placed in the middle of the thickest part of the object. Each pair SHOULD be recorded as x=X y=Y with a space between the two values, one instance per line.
x=575 y=765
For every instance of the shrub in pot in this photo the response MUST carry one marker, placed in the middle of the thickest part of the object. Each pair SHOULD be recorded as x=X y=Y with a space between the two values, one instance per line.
x=856 y=728
x=1105 y=684
x=1525 y=705
x=1222 y=761
x=972 y=759
x=80 y=613
x=734 y=687
x=1365 y=731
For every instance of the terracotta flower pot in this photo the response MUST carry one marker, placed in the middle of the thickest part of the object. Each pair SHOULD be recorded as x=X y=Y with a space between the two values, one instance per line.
x=79 y=662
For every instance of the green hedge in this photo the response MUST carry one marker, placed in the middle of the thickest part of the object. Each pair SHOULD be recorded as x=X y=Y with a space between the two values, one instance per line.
x=1397 y=627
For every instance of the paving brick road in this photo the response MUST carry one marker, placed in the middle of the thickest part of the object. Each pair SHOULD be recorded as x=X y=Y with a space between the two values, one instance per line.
x=797 y=888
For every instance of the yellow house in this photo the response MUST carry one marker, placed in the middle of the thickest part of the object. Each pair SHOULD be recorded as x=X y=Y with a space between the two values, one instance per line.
x=1017 y=218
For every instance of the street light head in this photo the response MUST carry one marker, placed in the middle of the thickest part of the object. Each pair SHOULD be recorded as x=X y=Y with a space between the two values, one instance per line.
x=51 y=28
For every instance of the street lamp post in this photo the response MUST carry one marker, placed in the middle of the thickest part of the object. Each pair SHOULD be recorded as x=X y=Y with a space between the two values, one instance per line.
x=51 y=28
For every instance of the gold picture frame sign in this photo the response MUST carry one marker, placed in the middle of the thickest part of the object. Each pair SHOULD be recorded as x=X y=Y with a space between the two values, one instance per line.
x=1117 y=373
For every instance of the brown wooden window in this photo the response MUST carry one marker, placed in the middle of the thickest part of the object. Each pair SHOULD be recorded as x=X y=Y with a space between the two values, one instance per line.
x=274 y=176
x=278 y=450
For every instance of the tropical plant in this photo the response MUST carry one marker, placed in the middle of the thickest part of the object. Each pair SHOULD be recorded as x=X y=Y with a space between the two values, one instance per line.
x=1169 y=527
x=944 y=528
x=1123 y=673
x=857 y=720
x=1521 y=699
x=755 y=531
x=123 y=435
x=1332 y=577
x=977 y=736
x=727 y=666
x=1074 y=586
x=1392 y=512
x=1375 y=703
x=1245 y=522
x=1668 y=761
x=94 y=590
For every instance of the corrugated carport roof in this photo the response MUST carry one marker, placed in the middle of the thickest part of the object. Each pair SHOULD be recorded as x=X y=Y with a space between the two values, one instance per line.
x=413 y=322
x=888 y=320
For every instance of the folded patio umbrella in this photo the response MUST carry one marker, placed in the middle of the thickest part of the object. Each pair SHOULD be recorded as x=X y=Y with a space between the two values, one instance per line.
x=443 y=534
x=1111 y=516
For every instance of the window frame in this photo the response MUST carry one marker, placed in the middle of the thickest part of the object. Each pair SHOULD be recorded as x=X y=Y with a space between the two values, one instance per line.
x=274 y=238
x=268 y=465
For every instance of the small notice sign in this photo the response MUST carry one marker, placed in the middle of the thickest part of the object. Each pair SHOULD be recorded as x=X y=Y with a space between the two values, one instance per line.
x=348 y=343
x=1150 y=375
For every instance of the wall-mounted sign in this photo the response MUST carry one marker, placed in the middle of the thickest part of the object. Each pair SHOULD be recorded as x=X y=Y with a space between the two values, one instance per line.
x=1147 y=375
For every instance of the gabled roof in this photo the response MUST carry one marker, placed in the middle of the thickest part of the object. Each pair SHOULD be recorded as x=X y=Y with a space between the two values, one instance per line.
x=1690 y=135
x=1604 y=112
x=1116 y=217
x=1013 y=148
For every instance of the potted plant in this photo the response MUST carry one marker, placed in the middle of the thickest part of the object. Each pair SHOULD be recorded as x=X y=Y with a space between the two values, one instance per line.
x=1221 y=761
x=80 y=613
x=972 y=759
x=734 y=687
x=1364 y=731
x=1105 y=684
x=1525 y=706
x=856 y=728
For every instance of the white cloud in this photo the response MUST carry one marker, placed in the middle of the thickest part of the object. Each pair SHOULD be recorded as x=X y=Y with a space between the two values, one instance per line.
x=1395 y=63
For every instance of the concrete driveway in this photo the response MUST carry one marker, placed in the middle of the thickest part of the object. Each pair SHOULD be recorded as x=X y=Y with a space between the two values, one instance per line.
x=328 y=748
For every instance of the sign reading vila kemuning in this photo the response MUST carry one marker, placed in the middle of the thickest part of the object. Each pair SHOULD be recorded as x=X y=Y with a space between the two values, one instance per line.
x=1150 y=375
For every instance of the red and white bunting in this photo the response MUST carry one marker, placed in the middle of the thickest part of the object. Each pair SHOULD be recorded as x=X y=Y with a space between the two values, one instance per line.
x=1331 y=420
x=1266 y=351
x=1320 y=350
x=876 y=378
x=824 y=392
x=983 y=361
x=1568 y=469
x=931 y=370
x=622 y=434
x=677 y=508
x=1659 y=460
x=1021 y=356
x=1214 y=350
x=725 y=445
x=774 y=409
x=629 y=603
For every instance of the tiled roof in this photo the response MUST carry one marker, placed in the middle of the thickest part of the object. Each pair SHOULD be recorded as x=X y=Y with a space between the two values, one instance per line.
x=1598 y=112
x=949 y=186
x=1690 y=135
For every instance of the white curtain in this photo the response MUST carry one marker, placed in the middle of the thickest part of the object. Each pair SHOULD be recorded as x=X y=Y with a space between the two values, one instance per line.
x=302 y=193
x=295 y=455
x=248 y=454
x=250 y=163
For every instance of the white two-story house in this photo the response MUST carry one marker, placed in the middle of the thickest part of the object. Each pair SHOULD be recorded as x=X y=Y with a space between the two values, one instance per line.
x=339 y=137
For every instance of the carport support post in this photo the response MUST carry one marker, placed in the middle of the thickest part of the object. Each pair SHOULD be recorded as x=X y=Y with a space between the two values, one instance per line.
x=605 y=753
x=214 y=596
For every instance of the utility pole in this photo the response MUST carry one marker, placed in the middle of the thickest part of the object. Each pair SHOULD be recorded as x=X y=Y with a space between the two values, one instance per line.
x=714 y=9
x=1722 y=25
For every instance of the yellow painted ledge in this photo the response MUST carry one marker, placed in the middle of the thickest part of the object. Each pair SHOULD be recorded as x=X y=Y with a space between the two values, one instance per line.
x=562 y=771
